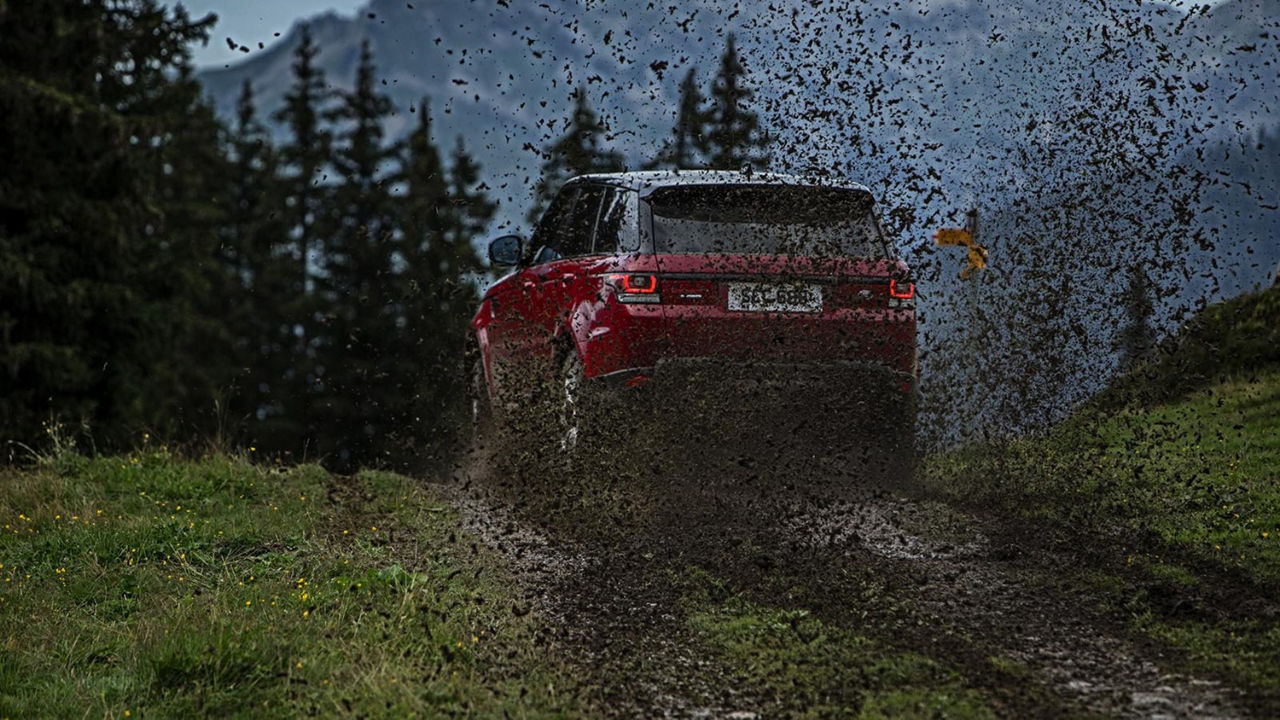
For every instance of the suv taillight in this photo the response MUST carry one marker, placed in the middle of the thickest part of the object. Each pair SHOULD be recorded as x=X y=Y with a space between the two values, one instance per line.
x=902 y=295
x=634 y=287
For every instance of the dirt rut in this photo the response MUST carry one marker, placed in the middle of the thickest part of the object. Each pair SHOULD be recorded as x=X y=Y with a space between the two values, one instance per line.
x=958 y=595
x=979 y=589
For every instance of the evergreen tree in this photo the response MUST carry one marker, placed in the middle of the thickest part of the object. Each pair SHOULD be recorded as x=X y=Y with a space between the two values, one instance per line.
x=106 y=207
x=190 y=168
x=423 y=209
x=470 y=211
x=426 y=189
x=255 y=245
x=468 y=214
x=361 y=342
x=1136 y=335
x=688 y=145
x=576 y=152
x=443 y=213
x=307 y=153
x=734 y=134
x=303 y=200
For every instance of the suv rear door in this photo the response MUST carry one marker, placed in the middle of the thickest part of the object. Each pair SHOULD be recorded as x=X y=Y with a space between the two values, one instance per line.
x=775 y=272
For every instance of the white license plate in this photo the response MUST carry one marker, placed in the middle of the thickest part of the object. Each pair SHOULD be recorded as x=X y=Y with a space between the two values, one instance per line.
x=775 y=297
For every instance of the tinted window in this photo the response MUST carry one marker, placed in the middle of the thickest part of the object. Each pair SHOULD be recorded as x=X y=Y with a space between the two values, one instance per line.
x=546 y=240
x=581 y=225
x=617 y=230
x=766 y=220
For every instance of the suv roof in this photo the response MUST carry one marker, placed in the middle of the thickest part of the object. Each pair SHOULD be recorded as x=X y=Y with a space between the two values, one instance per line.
x=646 y=181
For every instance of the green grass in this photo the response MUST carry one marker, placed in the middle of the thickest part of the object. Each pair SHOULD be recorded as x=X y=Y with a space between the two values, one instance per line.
x=1235 y=338
x=1200 y=477
x=805 y=668
x=1169 y=482
x=152 y=586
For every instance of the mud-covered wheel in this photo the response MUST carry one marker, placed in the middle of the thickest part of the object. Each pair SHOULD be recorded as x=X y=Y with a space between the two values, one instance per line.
x=478 y=400
x=570 y=412
x=900 y=444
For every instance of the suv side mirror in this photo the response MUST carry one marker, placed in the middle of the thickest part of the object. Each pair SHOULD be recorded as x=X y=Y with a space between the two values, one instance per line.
x=506 y=250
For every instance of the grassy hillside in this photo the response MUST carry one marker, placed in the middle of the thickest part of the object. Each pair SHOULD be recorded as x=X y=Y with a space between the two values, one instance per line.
x=1168 y=484
x=1233 y=339
x=147 y=585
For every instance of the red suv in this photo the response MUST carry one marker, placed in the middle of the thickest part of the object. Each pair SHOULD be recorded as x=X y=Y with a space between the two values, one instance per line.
x=712 y=283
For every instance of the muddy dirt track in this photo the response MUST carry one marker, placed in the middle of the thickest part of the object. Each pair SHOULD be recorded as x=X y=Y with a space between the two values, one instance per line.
x=883 y=561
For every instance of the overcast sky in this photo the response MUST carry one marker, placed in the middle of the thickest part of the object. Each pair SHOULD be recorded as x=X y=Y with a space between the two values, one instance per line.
x=250 y=22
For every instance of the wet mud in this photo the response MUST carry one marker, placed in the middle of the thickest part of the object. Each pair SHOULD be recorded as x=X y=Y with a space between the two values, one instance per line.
x=844 y=536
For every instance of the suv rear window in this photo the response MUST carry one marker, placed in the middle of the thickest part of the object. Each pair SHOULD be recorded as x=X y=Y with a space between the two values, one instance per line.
x=766 y=220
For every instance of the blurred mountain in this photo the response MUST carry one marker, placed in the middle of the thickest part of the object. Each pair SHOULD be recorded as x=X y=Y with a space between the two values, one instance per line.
x=857 y=88
x=498 y=75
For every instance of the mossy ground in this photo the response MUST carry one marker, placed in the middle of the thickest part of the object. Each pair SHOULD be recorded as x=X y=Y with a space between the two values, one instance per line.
x=149 y=585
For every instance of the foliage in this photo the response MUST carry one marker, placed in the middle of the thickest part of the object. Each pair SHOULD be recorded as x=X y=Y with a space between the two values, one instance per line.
x=162 y=272
x=107 y=212
x=264 y=277
x=358 y=343
x=307 y=154
x=445 y=211
x=734 y=135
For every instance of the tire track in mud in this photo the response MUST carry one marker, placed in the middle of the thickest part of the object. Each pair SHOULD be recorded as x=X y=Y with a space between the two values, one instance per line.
x=609 y=606
x=970 y=598
x=970 y=585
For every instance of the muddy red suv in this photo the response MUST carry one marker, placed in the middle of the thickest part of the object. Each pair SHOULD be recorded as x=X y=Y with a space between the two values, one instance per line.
x=751 y=287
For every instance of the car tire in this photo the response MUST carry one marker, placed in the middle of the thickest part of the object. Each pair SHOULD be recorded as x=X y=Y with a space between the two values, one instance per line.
x=900 y=443
x=570 y=410
x=478 y=399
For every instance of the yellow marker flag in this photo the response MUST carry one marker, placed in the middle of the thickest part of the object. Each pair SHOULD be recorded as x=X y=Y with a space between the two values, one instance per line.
x=963 y=238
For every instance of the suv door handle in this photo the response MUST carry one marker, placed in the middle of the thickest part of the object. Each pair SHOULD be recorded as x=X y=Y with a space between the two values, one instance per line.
x=528 y=285
x=568 y=278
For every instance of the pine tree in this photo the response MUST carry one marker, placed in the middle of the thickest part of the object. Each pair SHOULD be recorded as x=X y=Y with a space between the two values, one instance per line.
x=361 y=201
x=252 y=157
x=443 y=212
x=106 y=206
x=256 y=246
x=688 y=145
x=734 y=134
x=424 y=202
x=190 y=167
x=307 y=152
x=361 y=342
x=423 y=209
x=304 y=198
x=470 y=211
x=576 y=152
x=1136 y=335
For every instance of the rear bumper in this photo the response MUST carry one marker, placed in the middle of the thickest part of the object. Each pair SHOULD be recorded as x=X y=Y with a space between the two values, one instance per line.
x=759 y=374
x=866 y=394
